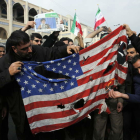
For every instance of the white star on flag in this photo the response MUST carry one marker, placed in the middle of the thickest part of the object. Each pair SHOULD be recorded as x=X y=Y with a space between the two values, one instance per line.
x=48 y=66
x=29 y=67
x=29 y=91
x=69 y=61
x=74 y=63
x=22 y=88
x=77 y=71
x=45 y=85
x=51 y=89
x=55 y=84
x=62 y=87
x=29 y=77
x=54 y=69
x=71 y=83
x=18 y=80
x=40 y=90
x=33 y=86
x=58 y=64
x=64 y=66
x=26 y=82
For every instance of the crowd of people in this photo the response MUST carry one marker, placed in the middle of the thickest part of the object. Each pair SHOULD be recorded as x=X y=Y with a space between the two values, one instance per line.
x=122 y=123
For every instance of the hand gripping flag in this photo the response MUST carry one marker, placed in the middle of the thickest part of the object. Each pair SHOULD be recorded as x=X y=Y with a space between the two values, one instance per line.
x=53 y=104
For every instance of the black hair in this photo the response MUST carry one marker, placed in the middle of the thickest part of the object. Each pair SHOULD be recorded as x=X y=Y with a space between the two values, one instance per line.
x=18 y=38
x=130 y=46
x=43 y=19
x=70 y=40
x=139 y=34
x=37 y=35
x=64 y=39
x=135 y=59
x=103 y=35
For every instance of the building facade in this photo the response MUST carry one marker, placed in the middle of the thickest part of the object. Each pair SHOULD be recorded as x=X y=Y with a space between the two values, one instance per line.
x=14 y=14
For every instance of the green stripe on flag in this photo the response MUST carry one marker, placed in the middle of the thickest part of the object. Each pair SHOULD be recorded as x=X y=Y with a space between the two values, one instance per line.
x=98 y=11
x=73 y=24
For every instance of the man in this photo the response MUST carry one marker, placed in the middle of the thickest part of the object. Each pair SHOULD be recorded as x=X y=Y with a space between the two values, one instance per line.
x=131 y=52
x=115 y=106
x=70 y=41
x=134 y=99
x=65 y=40
x=43 y=24
x=2 y=50
x=36 y=39
x=10 y=64
x=128 y=110
x=3 y=108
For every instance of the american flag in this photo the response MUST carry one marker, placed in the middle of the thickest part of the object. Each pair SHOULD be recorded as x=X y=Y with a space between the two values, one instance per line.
x=53 y=104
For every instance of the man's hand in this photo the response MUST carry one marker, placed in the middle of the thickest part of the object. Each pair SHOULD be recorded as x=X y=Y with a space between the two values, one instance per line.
x=119 y=107
x=79 y=35
x=114 y=94
x=74 y=48
x=15 y=68
x=129 y=32
x=56 y=33
x=4 y=112
x=30 y=24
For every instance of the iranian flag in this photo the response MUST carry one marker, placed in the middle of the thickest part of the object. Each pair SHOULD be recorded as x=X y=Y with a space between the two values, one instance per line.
x=76 y=26
x=99 y=19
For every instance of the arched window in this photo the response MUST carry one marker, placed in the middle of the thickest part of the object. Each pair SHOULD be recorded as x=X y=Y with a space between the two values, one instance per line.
x=3 y=8
x=3 y=33
x=18 y=13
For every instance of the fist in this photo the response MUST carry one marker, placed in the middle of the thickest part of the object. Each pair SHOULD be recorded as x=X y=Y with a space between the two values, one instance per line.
x=15 y=68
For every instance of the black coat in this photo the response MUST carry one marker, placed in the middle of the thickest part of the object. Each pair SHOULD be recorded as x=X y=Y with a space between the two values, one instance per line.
x=10 y=88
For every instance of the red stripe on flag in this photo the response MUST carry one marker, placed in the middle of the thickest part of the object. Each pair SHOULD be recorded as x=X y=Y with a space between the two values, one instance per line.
x=49 y=128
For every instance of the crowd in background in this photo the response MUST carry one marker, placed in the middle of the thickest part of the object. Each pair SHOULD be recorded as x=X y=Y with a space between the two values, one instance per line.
x=122 y=123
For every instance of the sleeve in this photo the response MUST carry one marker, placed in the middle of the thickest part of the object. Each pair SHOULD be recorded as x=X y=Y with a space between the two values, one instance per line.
x=5 y=78
x=135 y=41
x=50 y=41
x=121 y=88
x=135 y=98
x=55 y=52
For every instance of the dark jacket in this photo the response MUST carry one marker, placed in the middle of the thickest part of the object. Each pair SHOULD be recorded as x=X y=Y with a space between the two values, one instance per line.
x=11 y=89
x=135 y=98
x=135 y=41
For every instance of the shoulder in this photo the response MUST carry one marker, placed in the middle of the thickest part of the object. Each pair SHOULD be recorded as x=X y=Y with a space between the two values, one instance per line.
x=4 y=61
x=137 y=78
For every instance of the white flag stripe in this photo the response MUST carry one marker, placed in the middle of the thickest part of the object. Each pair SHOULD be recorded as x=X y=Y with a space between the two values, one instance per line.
x=98 y=16
x=64 y=119
x=105 y=45
x=94 y=64
x=71 y=92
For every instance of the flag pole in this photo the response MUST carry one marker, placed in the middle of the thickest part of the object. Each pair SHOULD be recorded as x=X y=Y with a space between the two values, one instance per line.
x=105 y=20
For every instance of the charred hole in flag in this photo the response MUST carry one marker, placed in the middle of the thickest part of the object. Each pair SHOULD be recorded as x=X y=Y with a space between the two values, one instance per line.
x=108 y=68
x=85 y=59
x=40 y=69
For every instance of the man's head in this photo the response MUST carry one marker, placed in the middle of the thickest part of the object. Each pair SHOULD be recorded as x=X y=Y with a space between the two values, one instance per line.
x=70 y=41
x=131 y=52
x=2 y=50
x=21 y=45
x=43 y=21
x=139 y=35
x=36 y=39
x=136 y=62
x=65 y=40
